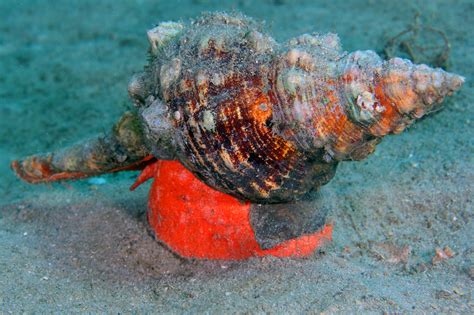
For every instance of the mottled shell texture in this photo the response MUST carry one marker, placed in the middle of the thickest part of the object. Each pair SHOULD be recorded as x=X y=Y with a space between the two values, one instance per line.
x=267 y=122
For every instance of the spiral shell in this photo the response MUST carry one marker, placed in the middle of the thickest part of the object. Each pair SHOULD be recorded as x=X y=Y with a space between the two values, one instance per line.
x=267 y=122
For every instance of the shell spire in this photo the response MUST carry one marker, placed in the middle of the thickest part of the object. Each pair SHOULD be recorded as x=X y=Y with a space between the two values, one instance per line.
x=391 y=94
x=345 y=103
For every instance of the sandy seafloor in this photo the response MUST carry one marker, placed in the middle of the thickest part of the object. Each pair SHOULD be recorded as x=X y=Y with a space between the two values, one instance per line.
x=80 y=247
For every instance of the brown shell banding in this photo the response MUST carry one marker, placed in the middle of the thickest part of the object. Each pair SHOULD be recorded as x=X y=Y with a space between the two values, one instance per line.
x=240 y=141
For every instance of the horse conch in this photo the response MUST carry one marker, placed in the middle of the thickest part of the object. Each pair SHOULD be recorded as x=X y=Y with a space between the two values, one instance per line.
x=261 y=121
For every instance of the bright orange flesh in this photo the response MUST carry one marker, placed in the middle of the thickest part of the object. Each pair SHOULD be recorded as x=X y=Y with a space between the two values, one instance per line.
x=196 y=221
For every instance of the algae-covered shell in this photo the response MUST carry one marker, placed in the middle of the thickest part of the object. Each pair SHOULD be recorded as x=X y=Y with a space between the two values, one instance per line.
x=268 y=122
x=262 y=121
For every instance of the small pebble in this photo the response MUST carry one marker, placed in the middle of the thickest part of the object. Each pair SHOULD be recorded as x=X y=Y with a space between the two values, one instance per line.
x=442 y=254
x=443 y=294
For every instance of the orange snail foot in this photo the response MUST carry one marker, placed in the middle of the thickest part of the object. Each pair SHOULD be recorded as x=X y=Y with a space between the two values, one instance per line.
x=197 y=221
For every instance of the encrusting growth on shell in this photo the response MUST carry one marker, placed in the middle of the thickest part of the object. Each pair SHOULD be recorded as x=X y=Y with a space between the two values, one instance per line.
x=121 y=149
x=262 y=121
x=163 y=33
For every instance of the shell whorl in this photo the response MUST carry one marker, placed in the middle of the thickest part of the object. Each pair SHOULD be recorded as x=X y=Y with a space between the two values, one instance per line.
x=347 y=103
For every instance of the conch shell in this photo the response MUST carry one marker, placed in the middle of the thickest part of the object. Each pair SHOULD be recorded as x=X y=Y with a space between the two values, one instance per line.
x=261 y=121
